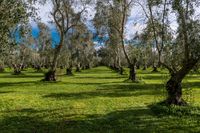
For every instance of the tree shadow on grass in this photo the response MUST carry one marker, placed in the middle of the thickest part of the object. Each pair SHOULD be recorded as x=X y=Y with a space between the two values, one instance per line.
x=106 y=77
x=5 y=92
x=191 y=84
x=26 y=83
x=94 y=71
x=25 y=124
x=21 y=76
x=33 y=83
x=155 y=77
x=131 y=86
x=193 y=76
x=85 y=83
x=111 y=90
x=135 y=120
x=161 y=109
x=85 y=95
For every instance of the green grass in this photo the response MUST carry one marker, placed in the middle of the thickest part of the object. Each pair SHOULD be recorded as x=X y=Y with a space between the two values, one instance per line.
x=96 y=100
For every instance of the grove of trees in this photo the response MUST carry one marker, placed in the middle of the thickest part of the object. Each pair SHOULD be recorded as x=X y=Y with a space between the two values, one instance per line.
x=157 y=45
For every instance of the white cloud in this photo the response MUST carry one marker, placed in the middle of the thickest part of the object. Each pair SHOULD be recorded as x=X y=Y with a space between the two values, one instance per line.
x=44 y=12
x=136 y=22
x=135 y=17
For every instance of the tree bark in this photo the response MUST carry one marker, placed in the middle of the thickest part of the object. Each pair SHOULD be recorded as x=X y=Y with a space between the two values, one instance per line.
x=50 y=76
x=174 y=87
x=174 y=90
x=69 y=71
x=132 y=73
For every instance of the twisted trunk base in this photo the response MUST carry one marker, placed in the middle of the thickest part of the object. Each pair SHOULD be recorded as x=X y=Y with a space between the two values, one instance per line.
x=174 y=90
x=50 y=76
x=174 y=87
x=69 y=71
x=132 y=73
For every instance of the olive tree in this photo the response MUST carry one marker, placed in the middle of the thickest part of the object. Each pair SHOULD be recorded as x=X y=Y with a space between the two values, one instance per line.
x=180 y=54
x=65 y=18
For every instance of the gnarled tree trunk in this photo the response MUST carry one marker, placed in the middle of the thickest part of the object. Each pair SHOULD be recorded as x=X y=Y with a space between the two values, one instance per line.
x=69 y=71
x=174 y=90
x=132 y=73
x=174 y=87
x=50 y=76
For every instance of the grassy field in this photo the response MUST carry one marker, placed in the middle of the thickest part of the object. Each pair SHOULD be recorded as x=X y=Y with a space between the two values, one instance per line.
x=96 y=100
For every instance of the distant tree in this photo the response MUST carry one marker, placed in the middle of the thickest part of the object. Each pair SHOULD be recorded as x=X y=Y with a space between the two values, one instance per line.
x=21 y=53
x=102 y=22
x=146 y=50
x=44 y=47
x=87 y=52
x=120 y=11
x=115 y=15
x=12 y=14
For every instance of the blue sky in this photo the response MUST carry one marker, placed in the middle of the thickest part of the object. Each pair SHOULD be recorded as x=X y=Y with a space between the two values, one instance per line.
x=56 y=37
x=54 y=33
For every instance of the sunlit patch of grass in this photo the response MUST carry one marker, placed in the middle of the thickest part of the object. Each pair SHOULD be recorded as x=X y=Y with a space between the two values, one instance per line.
x=95 y=100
